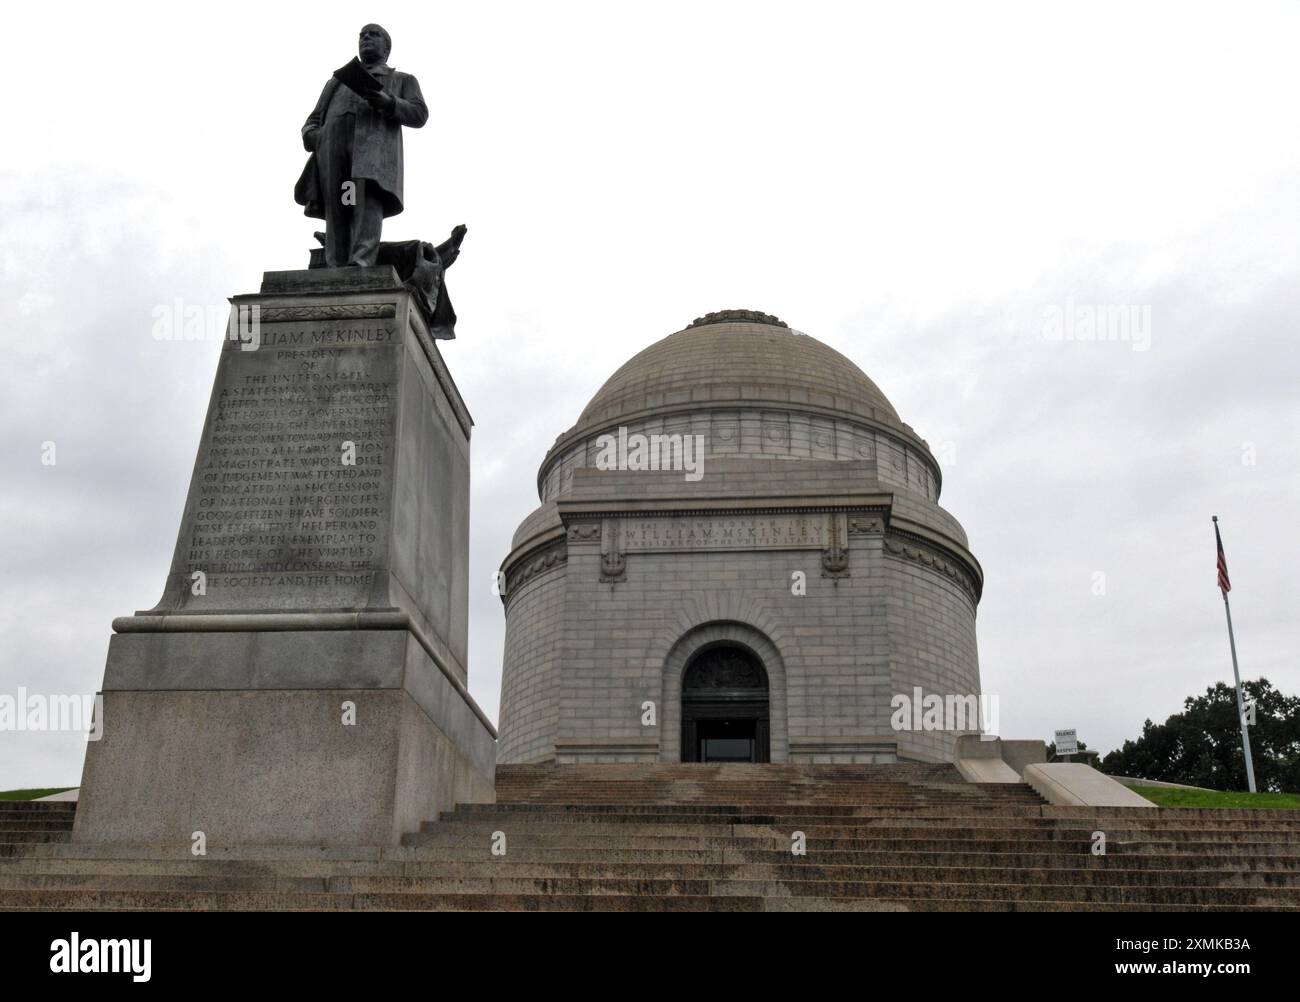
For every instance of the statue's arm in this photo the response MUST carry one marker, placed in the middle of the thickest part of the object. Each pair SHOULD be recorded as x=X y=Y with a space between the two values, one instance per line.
x=317 y=117
x=408 y=106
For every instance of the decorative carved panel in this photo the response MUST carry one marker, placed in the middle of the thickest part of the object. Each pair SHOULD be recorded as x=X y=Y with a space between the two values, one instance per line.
x=724 y=668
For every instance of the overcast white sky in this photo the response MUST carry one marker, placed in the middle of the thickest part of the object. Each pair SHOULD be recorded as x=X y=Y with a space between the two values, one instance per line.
x=913 y=184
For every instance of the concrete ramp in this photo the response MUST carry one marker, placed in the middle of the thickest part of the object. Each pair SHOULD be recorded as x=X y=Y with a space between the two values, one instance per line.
x=65 y=795
x=1074 y=784
x=987 y=770
x=983 y=758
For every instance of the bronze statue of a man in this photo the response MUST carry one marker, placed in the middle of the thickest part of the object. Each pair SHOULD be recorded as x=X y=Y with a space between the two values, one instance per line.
x=353 y=179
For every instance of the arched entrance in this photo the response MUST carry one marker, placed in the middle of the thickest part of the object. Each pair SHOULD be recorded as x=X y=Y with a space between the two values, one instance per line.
x=725 y=707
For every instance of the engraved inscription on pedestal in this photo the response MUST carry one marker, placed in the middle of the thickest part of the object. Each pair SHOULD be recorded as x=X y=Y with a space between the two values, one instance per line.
x=289 y=506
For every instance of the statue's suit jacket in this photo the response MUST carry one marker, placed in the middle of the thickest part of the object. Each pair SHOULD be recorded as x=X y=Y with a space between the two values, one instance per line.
x=377 y=140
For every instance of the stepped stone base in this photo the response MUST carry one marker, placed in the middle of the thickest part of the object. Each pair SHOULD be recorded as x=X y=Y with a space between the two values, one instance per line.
x=241 y=735
x=701 y=838
x=296 y=776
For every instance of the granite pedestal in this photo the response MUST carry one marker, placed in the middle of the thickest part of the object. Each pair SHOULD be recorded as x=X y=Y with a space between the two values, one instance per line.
x=303 y=678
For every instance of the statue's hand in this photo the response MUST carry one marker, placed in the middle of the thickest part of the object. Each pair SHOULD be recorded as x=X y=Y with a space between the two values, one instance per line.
x=381 y=100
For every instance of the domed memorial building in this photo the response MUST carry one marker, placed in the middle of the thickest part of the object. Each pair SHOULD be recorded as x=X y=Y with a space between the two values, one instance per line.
x=739 y=557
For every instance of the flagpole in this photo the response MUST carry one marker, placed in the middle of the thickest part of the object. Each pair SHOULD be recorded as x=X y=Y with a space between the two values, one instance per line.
x=1241 y=709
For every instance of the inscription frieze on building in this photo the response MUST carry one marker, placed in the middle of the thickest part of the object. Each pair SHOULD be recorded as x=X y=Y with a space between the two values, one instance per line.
x=724 y=532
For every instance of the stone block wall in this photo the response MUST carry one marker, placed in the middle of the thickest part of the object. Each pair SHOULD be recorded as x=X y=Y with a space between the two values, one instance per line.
x=587 y=648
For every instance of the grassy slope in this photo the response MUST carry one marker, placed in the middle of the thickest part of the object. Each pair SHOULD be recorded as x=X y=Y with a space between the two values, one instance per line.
x=1163 y=797
x=31 y=794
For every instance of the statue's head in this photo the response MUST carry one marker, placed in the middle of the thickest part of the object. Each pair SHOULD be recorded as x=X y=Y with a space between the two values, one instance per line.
x=374 y=44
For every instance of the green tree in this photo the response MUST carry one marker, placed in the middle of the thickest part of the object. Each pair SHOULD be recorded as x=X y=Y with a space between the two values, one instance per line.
x=1201 y=746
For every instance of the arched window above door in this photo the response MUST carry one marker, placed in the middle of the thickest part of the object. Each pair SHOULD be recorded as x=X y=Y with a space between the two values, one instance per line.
x=724 y=667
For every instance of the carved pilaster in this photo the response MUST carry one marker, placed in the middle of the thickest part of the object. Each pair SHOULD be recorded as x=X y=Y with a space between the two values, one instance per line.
x=613 y=564
x=835 y=558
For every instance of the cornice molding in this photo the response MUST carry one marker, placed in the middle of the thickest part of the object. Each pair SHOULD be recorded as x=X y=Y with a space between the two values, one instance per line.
x=903 y=434
x=338 y=311
x=585 y=510
x=547 y=557
x=907 y=546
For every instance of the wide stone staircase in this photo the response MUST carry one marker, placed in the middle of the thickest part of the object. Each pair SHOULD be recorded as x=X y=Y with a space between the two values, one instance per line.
x=902 y=837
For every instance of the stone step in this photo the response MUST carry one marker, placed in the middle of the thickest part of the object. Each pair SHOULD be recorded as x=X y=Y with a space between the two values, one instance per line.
x=901 y=805
x=11 y=835
x=91 y=852
x=702 y=810
x=215 y=868
x=20 y=811
x=448 y=833
x=674 y=820
x=458 y=830
x=424 y=847
x=952 y=819
x=672 y=859
x=646 y=806
x=681 y=860
x=610 y=903
x=706 y=895
x=650 y=878
x=742 y=798
x=910 y=809
x=306 y=901
x=661 y=784
x=769 y=774
x=1241 y=897
x=38 y=807
x=757 y=816
x=822 y=904
x=33 y=823
x=815 y=788
x=1013 y=841
x=1271 y=818
x=498 y=884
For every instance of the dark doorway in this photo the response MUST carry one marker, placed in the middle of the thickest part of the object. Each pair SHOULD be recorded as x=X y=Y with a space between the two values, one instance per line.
x=725 y=707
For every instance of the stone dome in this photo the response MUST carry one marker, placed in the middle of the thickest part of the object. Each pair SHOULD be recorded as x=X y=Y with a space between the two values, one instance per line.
x=737 y=357
x=757 y=389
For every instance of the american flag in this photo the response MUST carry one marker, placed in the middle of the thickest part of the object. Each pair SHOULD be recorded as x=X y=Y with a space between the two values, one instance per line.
x=1224 y=585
